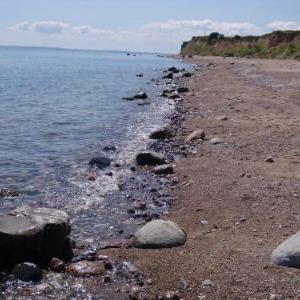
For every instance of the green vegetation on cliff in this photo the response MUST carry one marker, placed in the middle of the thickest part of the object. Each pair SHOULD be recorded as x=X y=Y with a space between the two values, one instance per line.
x=278 y=44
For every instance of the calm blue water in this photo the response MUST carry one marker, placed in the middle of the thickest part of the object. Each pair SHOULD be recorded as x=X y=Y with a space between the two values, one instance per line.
x=59 y=108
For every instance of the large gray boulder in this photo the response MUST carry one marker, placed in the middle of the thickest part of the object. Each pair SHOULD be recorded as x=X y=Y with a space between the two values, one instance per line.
x=288 y=253
x=34 y=235
x=159 y=234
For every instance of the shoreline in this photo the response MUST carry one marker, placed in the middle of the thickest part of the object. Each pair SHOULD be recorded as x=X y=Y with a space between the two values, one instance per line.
x=225 y=190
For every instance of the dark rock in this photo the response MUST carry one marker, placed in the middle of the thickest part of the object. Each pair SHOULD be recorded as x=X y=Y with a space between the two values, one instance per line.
x=101 y=162
x=173 y=70
x=128 y=98
x=169 y=76
x=269 y=160
x=7 y=193
x=162 y=134
x=139 y=75
x=141 y=95
x=150 y=159
x=109 y=148
x=57 y=265
x=163 y=170
x=144 y=103
x=187 y=74
x=27 y=272
x=174 y=96
x=34 y=235
x=106 y=279
x=183 y=90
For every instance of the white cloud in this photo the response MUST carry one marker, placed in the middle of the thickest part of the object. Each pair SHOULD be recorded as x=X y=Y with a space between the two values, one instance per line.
x=203 y=26
x=283 y=25
x=92 y=31
x=47 y=27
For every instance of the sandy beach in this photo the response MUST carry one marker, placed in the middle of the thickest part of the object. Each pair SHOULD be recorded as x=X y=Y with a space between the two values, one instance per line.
x=237 y=199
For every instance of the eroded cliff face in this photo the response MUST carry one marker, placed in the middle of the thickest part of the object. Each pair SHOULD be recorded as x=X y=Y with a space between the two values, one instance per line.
x=278 y=44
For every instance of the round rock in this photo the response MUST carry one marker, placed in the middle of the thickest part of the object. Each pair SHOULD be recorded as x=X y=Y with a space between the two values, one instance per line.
x=150 y=159
x=159 y=234
x=27 y=272
x=288 y=253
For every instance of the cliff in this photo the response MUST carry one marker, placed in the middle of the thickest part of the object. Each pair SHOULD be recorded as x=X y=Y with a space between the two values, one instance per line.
x=278 y=44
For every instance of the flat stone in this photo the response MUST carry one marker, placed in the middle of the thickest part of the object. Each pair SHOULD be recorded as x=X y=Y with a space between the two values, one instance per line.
x=288 y=253
x=150 y=159
x=196 y=135
x=33 y=235
x=159 y=234
x=86 y=268
x=216 y=141
x=163 y=170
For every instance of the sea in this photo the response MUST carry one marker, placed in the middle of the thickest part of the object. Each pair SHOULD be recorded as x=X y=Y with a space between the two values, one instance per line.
x=59 y=109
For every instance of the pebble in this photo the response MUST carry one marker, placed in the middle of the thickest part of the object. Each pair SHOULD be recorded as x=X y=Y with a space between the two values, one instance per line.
x=86 y=268
x=216 y=141
x=269 y=160
x=222 y=118
x=207 y=284
x=195 y=135
x=57 y=265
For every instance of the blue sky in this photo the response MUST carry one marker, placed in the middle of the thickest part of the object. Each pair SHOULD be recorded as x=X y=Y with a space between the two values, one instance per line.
x=141 y=25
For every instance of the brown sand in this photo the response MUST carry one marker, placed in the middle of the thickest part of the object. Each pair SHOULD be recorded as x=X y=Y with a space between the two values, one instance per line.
x=247 y=215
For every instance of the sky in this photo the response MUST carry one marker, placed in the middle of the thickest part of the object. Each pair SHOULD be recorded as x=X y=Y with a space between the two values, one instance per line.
x=138 y=25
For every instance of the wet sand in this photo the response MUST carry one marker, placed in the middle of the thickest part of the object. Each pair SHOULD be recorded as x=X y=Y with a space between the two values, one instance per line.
x=234 y=206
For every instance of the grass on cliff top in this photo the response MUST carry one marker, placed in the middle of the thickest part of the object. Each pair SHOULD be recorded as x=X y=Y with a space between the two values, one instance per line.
x=278 y=44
